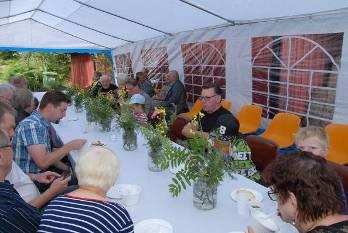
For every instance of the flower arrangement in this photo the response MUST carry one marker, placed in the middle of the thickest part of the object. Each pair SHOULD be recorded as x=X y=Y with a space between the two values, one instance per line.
x=125 y=119
x=99 y=109
x=198 y=161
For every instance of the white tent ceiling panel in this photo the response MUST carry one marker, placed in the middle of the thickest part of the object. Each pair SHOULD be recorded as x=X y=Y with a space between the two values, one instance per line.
x=17 y=7
x=90 y=35
x=20 y=17
x=13 y=36
x=114 y=26
x=62 y=8
x=170 y=16
x=4 y=9
x=260 y=9
x=46 y=18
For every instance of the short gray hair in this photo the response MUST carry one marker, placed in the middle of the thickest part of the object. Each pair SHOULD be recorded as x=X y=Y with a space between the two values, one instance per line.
x=97 y=166
x=5 y=88
x=23 y=99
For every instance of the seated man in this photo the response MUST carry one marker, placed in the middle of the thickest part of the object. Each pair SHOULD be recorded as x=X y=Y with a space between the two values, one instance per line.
x=144 y=83
x=106 y=87
x=212 y=110
x=133 y=88
x=176 y=94
x=33 y=149
x=15 y=214
x=23 y=183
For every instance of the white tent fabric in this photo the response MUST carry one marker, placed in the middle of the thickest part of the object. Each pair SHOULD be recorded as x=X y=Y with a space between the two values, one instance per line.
x=106 y=24
x=176 y=34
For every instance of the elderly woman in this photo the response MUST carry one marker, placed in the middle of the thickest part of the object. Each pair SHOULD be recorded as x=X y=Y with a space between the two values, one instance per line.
x=23 y=103
x=307 y=193
x=87 y=209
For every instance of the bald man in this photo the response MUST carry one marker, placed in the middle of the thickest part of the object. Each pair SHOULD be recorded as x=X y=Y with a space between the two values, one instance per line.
x=106 y=86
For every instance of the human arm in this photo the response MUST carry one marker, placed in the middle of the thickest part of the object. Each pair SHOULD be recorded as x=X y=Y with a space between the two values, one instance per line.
x=57 y=187
x=173 y=96
x=45 y=159
x=190 y=131
x=44 y=177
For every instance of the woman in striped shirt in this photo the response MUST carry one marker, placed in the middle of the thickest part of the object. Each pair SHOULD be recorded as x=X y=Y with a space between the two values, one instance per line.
x=87 y=209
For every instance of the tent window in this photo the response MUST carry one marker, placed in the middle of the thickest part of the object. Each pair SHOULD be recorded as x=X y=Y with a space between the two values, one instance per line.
x=297 y=74
x=204 y=62
x=124 y=64
x=155 y=60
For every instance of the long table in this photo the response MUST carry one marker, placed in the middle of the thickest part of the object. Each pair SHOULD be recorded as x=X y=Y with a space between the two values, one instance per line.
x=155 y=200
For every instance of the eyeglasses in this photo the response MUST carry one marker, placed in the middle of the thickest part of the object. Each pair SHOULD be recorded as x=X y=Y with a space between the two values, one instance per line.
x=206 y=98
x=272 y=195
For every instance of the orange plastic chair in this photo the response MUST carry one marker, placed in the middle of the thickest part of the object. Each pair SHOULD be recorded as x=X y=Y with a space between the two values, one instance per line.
x=197 y=107
x=249 y=118
x=282 y=129
x=226 y=104
x=338 y=147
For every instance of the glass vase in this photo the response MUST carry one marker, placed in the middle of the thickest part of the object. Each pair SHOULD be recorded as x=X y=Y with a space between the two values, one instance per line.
x=154 y=153
x=129 y=140
x=105 y=125
x=204 y=196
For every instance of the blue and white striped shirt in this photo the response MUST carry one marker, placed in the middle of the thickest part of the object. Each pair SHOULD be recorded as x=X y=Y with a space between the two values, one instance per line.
x=72 y=214
x=33 y=130
x=15 y=214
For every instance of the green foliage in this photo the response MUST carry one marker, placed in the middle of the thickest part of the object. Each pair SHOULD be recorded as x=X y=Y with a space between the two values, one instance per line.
x=100 y=109
x=33 y=66
x=200 y=161
x=125 y=118
x=153 y=136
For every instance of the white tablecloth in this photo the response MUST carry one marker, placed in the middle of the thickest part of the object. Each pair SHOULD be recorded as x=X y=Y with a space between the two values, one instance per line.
x=155 y=200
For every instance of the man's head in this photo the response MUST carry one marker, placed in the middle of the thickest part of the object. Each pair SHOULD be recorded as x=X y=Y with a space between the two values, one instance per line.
x=140 y=76
x=132 y=87
x=53 y=105
x=105 y=81
x=5 y=154
x=7 y=119
x=211 y=97
x=7 y=93
x=19 y=82
x=24 y=100
x=312 y=139
x=171 y=76
x=97 y=75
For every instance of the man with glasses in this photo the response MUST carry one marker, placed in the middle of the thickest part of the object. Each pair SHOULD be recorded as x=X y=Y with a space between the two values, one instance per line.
x=212 y=110
x=15 y=214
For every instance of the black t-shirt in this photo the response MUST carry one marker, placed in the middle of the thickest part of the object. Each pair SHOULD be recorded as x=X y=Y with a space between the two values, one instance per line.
x=340 y=227
x=210 y=121
x=112 y=87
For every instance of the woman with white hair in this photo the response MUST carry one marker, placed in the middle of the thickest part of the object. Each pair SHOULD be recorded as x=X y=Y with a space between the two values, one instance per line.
x=87 y=209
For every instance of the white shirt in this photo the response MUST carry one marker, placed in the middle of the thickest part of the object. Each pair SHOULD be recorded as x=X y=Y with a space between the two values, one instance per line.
x=22 y=183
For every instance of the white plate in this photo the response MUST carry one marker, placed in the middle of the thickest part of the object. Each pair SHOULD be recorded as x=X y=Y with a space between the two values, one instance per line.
x=114 y=193
x=153 y=226
x=257 y=195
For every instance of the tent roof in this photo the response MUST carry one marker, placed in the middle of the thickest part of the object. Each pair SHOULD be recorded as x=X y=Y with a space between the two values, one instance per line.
x=106 y=24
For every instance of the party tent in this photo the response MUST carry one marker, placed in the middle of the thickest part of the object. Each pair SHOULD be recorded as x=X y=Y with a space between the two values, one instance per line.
x=287 y=55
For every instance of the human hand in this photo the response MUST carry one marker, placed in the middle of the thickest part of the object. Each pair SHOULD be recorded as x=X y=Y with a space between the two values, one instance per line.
x=250 y=230
x=45 y=177
x=59 y=185
x=76 y=144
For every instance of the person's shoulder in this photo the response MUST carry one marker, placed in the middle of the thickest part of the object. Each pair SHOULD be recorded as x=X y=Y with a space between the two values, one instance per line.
x=113 y=86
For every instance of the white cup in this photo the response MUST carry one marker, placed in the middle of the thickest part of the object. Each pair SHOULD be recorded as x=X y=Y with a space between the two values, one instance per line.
x=130 y=194
x=243 y=205
x=263 y=224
